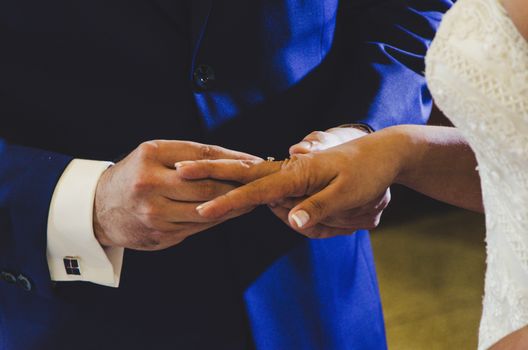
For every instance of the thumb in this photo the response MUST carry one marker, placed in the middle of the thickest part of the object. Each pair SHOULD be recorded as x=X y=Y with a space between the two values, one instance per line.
x=317 y=207
x=315 y=141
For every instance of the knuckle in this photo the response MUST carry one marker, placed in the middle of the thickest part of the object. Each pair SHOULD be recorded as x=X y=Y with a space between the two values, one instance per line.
x=299 y=167
x=294 y=161
x=316 y=136
x=207 y=151
x=142 y=182
x=147 y=150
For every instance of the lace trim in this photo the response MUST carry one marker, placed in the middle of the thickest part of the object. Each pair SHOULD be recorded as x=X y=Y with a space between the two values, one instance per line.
x=477 y=70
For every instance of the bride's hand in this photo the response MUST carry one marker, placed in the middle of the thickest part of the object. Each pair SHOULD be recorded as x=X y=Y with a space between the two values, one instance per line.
x=345 y=177
x=364 y=217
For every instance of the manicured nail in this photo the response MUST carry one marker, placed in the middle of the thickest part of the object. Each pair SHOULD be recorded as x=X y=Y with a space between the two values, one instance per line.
x=305 y=144
x=202 y=207
x=301 y=218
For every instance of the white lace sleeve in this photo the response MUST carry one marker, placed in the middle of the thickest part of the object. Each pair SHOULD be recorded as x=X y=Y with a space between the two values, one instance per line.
x=477 y=71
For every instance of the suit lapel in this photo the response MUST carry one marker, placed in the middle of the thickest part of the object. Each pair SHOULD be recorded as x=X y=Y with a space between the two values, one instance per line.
x=194 y=14
x=200 y=10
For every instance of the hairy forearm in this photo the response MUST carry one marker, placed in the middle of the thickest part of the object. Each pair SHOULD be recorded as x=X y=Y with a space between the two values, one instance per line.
x=438 y=162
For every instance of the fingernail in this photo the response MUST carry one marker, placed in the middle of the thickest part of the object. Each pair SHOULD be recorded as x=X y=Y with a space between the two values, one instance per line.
x=202 y=207
x=301 y=218
x=305 y=144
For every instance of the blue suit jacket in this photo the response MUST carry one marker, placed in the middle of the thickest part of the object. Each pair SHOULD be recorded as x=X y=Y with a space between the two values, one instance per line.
x=92 y=79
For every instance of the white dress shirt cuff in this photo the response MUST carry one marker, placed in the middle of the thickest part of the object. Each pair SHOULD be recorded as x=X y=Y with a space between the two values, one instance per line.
x=73 y=252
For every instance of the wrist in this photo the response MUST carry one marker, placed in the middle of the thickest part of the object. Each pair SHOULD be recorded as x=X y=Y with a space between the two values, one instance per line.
x=98 y=209
x=348 y=132
x=407 y=151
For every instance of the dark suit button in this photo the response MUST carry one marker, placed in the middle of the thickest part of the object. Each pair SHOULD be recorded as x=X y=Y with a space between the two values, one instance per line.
x=204 y=77
x=8 y=277
x=24 y=282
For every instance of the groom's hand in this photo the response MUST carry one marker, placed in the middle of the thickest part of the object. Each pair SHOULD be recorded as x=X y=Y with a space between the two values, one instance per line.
x=141 y=203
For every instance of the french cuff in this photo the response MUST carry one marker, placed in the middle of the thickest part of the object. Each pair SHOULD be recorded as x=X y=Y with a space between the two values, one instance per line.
x=73 y=252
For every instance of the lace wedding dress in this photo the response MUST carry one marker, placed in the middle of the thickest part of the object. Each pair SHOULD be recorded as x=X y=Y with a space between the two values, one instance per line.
x=477 y=71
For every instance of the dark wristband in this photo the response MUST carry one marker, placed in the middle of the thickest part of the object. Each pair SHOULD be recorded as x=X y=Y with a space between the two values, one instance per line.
x=364 y=127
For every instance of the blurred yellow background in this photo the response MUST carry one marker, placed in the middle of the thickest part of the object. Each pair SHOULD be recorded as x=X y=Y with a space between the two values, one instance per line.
x=430 y=266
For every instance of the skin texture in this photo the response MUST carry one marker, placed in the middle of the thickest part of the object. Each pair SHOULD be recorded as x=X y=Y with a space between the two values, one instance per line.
x=346 y=221
x=438 y=162
x=518 y=12
x=517 y=340
x=321 y=178
x=141 y=203
x=352 y=177
x=340 y=222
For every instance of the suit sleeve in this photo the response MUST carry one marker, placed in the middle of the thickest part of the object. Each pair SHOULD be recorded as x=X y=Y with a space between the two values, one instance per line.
x=383 y=45
x=27 y=180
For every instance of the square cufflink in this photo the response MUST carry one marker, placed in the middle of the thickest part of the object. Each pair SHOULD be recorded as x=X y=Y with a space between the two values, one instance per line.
x=72 y=266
